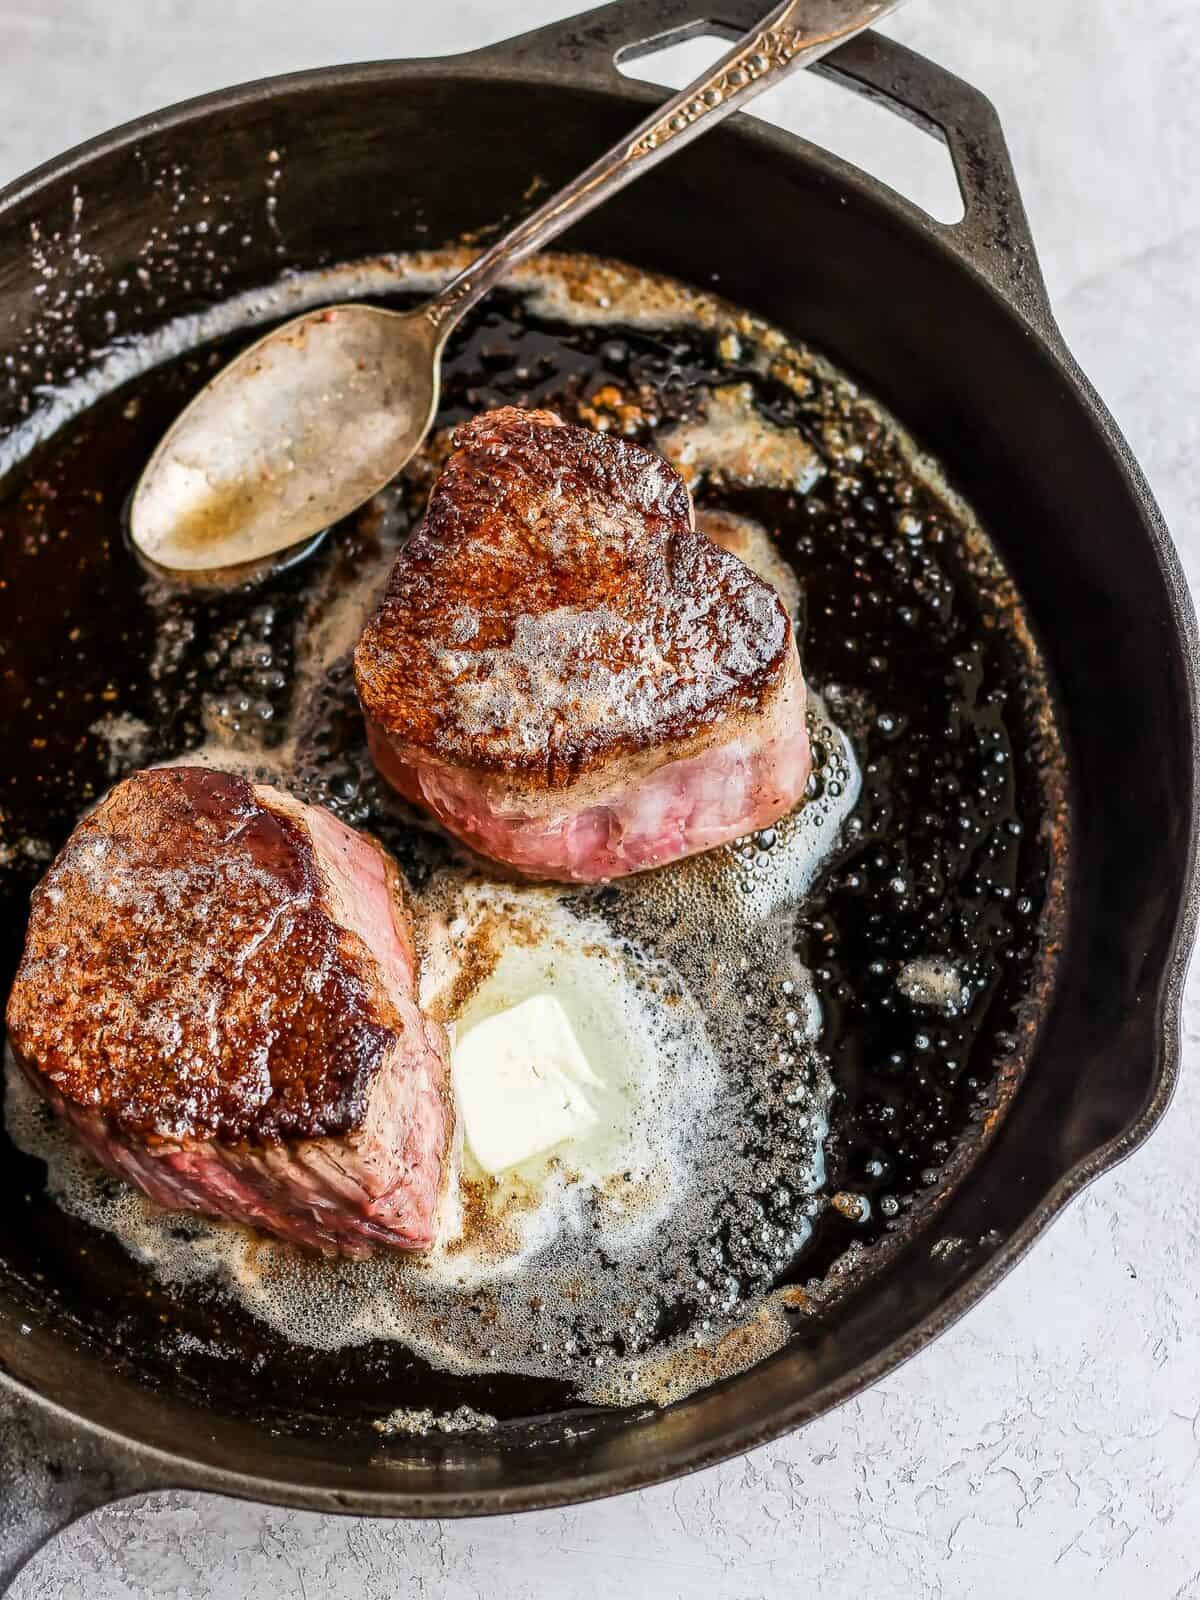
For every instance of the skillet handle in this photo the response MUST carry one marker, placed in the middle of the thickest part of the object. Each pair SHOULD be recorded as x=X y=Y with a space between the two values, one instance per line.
x=993 y=237
x=51 y=1473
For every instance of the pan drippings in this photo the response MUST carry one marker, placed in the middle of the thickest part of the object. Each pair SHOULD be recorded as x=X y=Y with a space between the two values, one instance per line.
x=811 y=1023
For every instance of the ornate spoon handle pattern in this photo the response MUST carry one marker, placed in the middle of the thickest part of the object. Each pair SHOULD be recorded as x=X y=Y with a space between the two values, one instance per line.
x=792 y=35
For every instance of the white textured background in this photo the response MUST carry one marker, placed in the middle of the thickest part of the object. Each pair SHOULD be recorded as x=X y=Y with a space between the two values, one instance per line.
x=1050 y=1444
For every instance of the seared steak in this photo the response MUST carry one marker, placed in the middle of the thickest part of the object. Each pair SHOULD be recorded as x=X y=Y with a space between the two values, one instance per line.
x=570 y=677
x=217 y=993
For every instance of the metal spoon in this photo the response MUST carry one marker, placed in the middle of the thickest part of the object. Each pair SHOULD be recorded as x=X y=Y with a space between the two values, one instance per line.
x=316 y=417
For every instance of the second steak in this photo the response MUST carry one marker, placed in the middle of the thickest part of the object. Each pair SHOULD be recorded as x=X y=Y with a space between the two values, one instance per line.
x=217 y=994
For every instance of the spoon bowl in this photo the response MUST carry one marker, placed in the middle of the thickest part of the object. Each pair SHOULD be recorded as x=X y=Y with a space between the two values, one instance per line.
x=298 y=431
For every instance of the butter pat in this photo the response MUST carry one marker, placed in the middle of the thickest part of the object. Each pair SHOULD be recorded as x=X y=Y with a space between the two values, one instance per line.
x=519 y=1077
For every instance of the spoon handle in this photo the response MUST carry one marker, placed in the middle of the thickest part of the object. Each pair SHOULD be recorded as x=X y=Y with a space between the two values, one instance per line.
x=791 y=35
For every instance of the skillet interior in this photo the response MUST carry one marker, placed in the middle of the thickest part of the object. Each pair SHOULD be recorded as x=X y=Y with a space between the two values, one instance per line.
x=355 y=174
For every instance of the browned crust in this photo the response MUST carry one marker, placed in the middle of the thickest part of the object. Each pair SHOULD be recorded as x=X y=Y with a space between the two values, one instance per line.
x=182 y=978
x=556 y=608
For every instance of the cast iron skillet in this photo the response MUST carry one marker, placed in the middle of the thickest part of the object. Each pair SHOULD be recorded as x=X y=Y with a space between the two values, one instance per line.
x=950 y=327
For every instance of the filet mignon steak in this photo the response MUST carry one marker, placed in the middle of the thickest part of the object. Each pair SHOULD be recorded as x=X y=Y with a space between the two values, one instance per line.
x=566 y=674
x=218 y=994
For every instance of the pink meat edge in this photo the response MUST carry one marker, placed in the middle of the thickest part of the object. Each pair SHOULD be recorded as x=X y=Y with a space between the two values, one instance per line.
x=748 y=781
x=296 y=1192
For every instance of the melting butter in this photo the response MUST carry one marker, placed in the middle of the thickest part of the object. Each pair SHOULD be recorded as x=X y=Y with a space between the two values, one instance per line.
x=520 y=1083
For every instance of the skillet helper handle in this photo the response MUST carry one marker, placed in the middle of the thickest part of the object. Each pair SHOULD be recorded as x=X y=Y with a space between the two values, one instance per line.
x=993 y=237
x=51 y=1473
x=790 y=35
